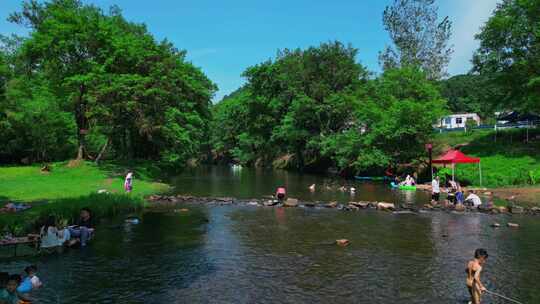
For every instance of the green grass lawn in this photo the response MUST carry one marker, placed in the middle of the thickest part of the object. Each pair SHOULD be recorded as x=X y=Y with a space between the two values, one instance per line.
x=30 y=184
x=507 y=160
x=66 y=189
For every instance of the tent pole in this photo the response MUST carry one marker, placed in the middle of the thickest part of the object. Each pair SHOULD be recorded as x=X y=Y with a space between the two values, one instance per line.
x=453 y=172
x=480 y=172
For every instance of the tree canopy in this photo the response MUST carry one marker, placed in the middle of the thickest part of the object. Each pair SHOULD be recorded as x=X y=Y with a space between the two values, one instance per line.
x=510 y=53
x=110 y=82
x=317 y=108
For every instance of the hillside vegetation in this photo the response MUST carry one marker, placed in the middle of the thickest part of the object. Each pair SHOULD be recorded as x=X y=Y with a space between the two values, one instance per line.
x=506 y=158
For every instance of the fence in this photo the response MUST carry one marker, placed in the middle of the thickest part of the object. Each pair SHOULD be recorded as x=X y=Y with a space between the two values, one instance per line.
x=519 y=125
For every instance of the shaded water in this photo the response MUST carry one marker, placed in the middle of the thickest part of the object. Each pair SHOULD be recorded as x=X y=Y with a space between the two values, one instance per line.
x=236 y=254
x=256 y=183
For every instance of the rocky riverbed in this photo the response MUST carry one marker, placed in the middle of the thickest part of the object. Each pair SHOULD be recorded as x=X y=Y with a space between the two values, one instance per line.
x=173 y=201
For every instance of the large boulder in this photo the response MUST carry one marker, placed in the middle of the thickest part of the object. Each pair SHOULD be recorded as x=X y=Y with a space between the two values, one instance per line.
x=386 y=206
x=291 y=202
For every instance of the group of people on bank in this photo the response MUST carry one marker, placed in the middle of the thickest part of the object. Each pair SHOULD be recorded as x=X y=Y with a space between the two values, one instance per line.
x=52 y=236
x=455 y=194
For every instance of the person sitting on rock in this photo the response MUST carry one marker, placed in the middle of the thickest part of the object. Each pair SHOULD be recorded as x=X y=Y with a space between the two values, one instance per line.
x=52 y=236
x=281 y=193
x=83 y=229
x=473 y=200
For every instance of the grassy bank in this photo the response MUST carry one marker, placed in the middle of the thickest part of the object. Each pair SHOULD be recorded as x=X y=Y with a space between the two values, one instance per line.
x=67 y=180
x=68 y=187
x=507 y=159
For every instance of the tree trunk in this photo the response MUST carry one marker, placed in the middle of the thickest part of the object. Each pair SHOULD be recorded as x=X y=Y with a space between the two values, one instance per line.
x=103 y=149
x=82 y=122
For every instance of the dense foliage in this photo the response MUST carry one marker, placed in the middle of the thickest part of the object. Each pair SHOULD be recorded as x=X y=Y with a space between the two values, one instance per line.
x=317 y=108
x=90 y=80
x=472 y=94
x=510 y=52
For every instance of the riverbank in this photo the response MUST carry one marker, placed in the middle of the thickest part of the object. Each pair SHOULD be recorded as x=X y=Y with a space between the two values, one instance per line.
x=68 y=186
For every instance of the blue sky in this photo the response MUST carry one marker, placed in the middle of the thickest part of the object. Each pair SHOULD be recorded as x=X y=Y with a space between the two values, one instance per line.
x=225 y=37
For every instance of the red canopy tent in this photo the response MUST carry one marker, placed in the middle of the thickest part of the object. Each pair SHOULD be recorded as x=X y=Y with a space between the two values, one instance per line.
x=454 y=157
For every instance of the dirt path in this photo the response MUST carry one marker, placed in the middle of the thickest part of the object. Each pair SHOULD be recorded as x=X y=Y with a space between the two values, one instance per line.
x=529 y=195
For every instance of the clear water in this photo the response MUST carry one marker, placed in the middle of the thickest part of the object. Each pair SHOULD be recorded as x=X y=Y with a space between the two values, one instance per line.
x=235 y=254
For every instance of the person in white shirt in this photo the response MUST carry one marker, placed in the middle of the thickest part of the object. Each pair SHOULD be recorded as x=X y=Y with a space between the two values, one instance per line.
x=128 y=182
x=473 y=199
x=51 y=236
x=435 y=190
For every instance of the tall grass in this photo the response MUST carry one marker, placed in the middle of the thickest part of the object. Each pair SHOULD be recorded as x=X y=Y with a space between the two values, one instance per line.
x=67 y=210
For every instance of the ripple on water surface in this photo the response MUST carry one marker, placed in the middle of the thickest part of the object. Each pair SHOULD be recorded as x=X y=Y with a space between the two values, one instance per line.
x=260 y=255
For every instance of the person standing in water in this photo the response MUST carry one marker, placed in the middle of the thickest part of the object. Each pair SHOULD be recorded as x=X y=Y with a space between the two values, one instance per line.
x=281 y=193
x=435 y=190
x=128 y=183
x=474 y=269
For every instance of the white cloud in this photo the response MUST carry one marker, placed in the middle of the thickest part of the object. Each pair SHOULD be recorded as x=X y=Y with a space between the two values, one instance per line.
x=468 y=17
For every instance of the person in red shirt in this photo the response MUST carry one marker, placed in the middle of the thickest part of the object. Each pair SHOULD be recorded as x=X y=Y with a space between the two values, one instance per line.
x=281 y=193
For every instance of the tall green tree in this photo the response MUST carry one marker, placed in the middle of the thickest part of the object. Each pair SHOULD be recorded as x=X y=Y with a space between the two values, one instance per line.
x=298 y=99
x=122 y=88
x=510 y=52
x=392 y=124
x=419 y=37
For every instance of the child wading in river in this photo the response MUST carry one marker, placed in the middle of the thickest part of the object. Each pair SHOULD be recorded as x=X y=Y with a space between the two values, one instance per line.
x=474 y=269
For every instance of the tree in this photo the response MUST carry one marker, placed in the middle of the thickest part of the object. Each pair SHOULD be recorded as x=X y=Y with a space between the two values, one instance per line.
x=472 y=94
x=121 y=87
x=419 y=38
x=394 y=122
x=509 y=52
x=292 y=103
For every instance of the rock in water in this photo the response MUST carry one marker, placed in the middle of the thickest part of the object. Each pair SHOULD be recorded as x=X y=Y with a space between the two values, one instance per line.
x=460 y=207
x=331 y=205
x=386 y=206
x=495 y=225
x=291 y=202
x=343 y=242
x=513 y=225
x=516 y=210
x=271 y=203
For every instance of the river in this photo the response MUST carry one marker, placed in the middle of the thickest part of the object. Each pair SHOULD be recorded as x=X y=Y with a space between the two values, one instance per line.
x=244 y=254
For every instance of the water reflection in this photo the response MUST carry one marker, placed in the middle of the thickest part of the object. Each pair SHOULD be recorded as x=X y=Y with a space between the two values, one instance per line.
x=256 y=183
x=275 y=255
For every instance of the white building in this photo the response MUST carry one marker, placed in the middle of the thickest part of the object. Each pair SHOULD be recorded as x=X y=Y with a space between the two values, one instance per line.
x=458 y=120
